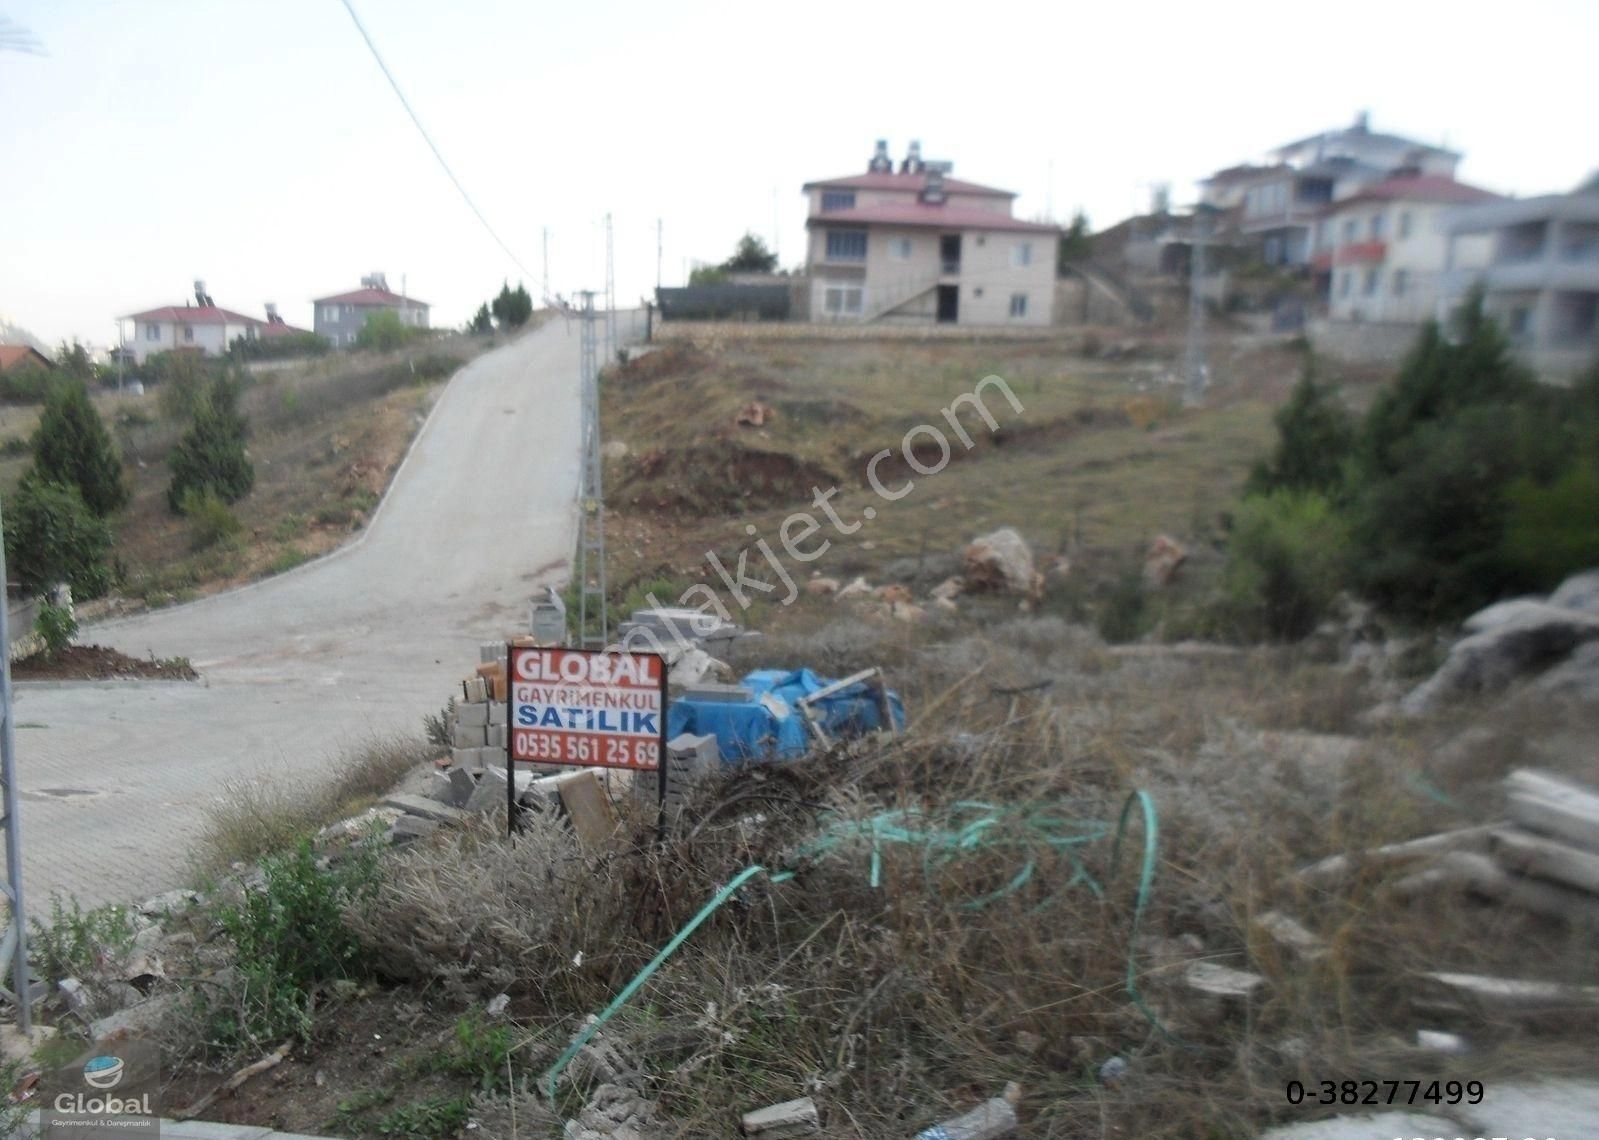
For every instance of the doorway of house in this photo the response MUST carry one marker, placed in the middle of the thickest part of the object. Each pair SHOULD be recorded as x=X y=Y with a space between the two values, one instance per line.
x=948 y=303
x=949 y=253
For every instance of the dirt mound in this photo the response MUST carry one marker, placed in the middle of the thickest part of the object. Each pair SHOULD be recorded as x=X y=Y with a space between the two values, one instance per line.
x=666 y=362
x=719 y=478
x=99 y=663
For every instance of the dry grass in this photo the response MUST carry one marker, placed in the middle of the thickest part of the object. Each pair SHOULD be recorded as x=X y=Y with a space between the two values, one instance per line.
x=270 y=814
x=900 y=1004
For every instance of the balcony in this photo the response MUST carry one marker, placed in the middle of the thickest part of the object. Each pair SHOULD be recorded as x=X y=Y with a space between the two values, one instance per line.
x=1361 y=253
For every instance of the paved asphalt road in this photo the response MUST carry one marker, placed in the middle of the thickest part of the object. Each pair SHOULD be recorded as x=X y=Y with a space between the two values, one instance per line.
x=115 y=778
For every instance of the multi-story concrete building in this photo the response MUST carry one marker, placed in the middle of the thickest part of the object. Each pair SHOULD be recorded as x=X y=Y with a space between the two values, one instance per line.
x=341 y=317
x=1277 y=205
x=917 y=246
x=1386 y=249
x=1541 y=280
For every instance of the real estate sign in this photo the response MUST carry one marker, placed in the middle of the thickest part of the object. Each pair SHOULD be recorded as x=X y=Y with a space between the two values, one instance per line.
x=587 y=708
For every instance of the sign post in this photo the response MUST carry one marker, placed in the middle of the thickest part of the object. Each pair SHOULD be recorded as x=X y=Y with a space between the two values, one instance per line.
x=584 y=708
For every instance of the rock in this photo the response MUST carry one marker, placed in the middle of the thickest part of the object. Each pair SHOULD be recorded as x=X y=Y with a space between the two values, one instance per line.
x=754 y=414
x=168 y=902
x=409 y=827
x=895 y=593
x=1499 y=613
x=1578 y=592
x=1000 y=562
x=858 y=588
x=1383 y=1124
x=614 y=449
x=1537 y=636
x=1440 y=1042
x=1162 y=560
x=497 y=1005
x=136 y=1020
x=908 y=612
x=1545 y=1108
x=948 y=589
x=73 y=995
x=946 y=605
x=426 y=808
x=821 y=587
x=1576 y=678
x=1112 y=1070
x=461 y=788
x=1290 y=936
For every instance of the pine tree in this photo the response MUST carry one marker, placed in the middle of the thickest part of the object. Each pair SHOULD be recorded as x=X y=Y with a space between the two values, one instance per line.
x=211 y=454
x=481 y=321
x=72 y=447
x=1315 y=434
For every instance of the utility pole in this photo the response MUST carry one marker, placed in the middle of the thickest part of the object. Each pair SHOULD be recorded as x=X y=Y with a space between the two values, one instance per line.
x=610 y=294
x=659 y=246
x=14 y=943
x=545 y=289
x=1195 y=364
x=590 y=492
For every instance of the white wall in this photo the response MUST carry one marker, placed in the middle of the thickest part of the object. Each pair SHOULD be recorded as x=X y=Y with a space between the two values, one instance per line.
x=211 y=339
x=1419 y=255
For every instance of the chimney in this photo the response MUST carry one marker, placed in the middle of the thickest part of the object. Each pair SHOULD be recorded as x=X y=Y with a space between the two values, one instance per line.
x=913 y=158
x=881 y=163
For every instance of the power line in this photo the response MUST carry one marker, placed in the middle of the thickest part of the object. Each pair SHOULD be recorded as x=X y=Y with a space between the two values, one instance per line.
x=427 y=138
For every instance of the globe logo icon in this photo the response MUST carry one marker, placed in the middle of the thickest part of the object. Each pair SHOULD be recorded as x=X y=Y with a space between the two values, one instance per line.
x=102 y=1072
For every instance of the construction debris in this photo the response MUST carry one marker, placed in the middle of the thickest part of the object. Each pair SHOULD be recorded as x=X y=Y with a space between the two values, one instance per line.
x=994 y=1117
x=1001 y=562
x=1483 y=996
x=1290 y=936
x=1226 y=991
x=791 y=1118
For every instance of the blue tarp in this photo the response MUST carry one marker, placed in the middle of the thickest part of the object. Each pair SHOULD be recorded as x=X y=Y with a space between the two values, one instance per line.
x=773 y=729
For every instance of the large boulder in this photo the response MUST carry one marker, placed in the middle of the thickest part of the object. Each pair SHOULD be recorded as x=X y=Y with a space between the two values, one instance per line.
x=1536 y=636
x=1000 y=562
x=1501 y=612
x=1578 y=592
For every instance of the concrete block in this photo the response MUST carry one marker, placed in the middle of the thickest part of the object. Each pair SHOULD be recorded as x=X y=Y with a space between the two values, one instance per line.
x=470 y=735
x=491 y=651
x=791 y=1118
x=426 y=808
x=735 y=694
x=472 y=715
x=496 y=735
x=462 y=785
x=489 y=793
x=440 y=788
x=497 y=712
x=464 y=757
x=491 y=757
x=411 y=827
x=474 y=690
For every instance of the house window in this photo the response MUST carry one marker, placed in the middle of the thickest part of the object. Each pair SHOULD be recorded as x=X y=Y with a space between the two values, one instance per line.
x=846 y=245
x=1344 y=282
x=842 y=300
x=1376 y=227
x=1369 y=286
x=838 y=200
x=1021 y=254
x=1401 y=282
x=901 y=249
x=152 y=332
x=1349 y=231
x=1018 y=304
x=188 y=333
x=1404 y=224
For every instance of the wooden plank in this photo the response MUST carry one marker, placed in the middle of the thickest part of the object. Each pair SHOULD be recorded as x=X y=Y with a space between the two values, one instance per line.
x=589 y=807
x=1563 y=820
x=1477 y=873
x=1533 y=855
x=1337 y=867
x=1480 y=992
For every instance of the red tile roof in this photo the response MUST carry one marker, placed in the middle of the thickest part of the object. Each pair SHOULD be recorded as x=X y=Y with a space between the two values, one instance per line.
x=12 y=355
x=911 y=183
x=279 y=328
x=944 y=217
x=195 y=315
x=1418 y=188
x=368 y=296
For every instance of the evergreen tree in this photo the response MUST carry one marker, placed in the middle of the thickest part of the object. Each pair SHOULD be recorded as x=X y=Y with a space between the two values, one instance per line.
x=73 y=448
x=52 y=536
x=211 y=454
x=751 y=256
x=481 y=321
x=1315 y=435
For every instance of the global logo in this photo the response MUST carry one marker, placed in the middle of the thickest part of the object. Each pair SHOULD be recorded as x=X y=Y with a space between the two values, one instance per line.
x=102 y=1072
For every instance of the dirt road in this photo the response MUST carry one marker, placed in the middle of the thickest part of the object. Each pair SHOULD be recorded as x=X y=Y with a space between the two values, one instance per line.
x=114 y=778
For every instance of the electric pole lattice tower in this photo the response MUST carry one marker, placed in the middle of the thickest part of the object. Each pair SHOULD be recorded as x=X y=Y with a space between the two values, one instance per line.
x=590 y=492
x=1195 y=365
x=610 y=293
x=14 y=943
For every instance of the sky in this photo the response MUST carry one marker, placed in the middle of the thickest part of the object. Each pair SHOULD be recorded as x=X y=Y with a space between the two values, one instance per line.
x=256 y=144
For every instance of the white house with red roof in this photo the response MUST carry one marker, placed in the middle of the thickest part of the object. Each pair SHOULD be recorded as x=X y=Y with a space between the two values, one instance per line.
x=341 y=317
x=915 y=246
x=200 y=325
x=1386 y=248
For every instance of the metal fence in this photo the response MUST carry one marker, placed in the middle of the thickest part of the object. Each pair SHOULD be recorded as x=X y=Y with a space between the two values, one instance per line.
x=724 y=303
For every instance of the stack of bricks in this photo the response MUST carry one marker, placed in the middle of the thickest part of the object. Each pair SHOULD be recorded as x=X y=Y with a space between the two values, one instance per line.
x=479 y=726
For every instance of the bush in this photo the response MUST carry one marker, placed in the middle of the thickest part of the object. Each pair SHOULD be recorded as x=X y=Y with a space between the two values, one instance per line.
x=27 y=384
x=384 y=330
x=279 y=347
x=51 y=537
x=76 y=942
x=182 y=382
x=1553 y=530
x=1315 y=435
x=57 y=626
x=1285 y=563
x=211 y=456
x=73 y=448
x=212 y=521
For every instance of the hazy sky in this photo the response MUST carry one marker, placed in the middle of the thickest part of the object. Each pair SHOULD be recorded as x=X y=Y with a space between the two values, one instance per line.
x=256 y=144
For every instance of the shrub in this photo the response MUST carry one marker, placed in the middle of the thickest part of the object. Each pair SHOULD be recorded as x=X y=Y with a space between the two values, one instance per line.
x=1315 y=435
x=51 y=537
x=211 y=454
x=1552 y=530
x=27 y=384
x=433 y=366
x=384 y=330
x=209 y=516
x=1285 y=563
x=279 y=347
x=57 y=626
x=73 y=448
x=182 y=381
x=76 y=941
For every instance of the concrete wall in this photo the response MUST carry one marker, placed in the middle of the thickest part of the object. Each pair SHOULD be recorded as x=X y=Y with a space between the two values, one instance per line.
x=1362 y=342
x=211 y=339
x=1420 y=253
